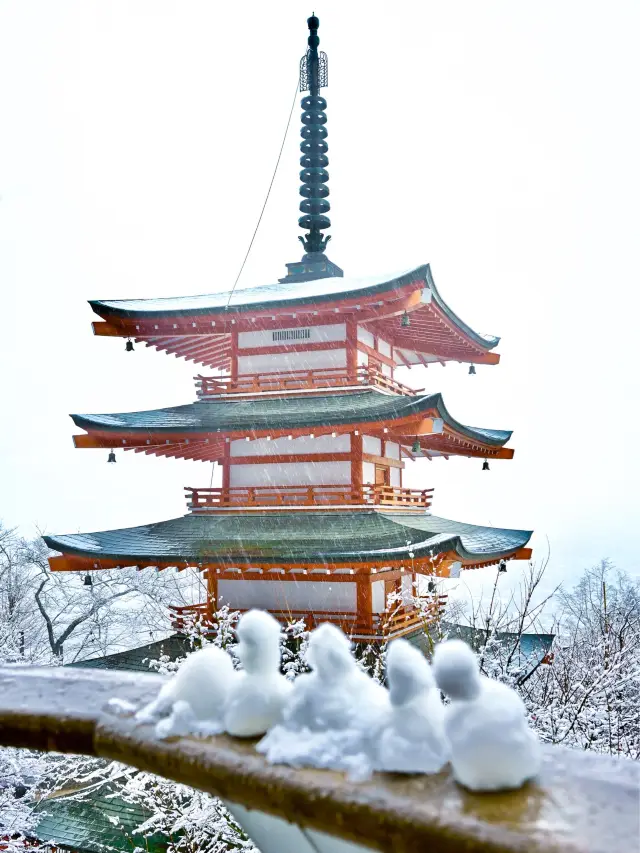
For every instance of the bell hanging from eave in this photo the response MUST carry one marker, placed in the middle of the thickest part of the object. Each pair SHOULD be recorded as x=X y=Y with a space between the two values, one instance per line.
x=472 y=370
x=431 y=586
x=405 y=320
x=111 y=457
x=485 y=465
x=129 y=346
x=502 y=566
x=87 y=580
x=415 y=447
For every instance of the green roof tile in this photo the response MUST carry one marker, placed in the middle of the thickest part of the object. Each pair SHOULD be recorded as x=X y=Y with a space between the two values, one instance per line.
x=95 y=820
x=287 y=412
x=295 y=537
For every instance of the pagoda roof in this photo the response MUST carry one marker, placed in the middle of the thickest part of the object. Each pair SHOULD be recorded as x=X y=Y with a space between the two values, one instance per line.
x=281 y=295
x=172 y=323
x=291 y=538
x=397 y=414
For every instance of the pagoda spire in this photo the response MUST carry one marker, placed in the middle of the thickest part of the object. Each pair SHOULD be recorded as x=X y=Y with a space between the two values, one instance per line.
x=314 y=160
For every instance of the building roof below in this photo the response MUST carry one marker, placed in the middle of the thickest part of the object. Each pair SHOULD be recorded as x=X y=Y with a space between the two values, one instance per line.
x=281 y=538
x=137 y=660
x=96 y=820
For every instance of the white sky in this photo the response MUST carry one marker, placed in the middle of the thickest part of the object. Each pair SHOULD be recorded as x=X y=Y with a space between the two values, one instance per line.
x=499 y=141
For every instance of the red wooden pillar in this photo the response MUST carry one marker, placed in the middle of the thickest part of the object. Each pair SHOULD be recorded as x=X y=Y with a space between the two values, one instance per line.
x=364 y=601
x=226 y=467
x=212 y=594
x=352 y=349
x=233 y=356
x=356 y=465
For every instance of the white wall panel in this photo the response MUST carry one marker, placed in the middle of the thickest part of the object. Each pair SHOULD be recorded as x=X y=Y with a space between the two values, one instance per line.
x=291 y=474
x=396 y=477
x=281 y=446
x=368 y=472
x=289 y=595
x=406 y=587
x=366 y=337
x=392 y=450
x=377 y=597
x=281 y=362
x=317 y=334
x=384 y=347
x=371 y=445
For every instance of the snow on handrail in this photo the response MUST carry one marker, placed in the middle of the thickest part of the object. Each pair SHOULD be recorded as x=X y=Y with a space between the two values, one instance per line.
x=322 y=378
x=581 y=803
x=203 y=499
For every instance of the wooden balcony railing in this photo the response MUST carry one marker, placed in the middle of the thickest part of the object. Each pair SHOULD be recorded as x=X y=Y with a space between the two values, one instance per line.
x=580 y=802
x=399 y=621
x=299 y=380
x=202 y=500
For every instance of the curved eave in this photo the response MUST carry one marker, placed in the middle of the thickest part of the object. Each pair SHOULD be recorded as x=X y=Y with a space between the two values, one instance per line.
x=198 y=328
x=270 y=296
x=487 y=342
x=291 y=539
x=220 y=419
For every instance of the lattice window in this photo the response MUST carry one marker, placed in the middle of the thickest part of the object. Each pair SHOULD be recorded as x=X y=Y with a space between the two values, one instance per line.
x=291 y=335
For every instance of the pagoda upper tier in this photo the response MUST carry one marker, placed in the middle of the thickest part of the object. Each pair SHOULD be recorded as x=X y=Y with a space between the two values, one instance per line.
x=203 y=430
x=405 y=310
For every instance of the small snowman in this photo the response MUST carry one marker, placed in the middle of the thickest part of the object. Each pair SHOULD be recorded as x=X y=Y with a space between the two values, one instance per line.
x=492 y=748
x=195 y=697
x=412 y=739
x=258 y=693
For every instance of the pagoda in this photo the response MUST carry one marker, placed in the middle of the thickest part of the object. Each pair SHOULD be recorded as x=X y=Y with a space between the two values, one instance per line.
x=311 y=428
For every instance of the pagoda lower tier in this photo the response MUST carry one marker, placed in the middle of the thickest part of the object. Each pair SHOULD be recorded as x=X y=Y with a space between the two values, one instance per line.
x=338 y=565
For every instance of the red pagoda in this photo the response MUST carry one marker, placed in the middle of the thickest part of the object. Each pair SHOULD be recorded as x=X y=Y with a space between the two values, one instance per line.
x=311 y=428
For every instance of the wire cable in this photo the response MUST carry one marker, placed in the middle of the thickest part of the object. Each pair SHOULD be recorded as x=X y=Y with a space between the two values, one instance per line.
x=273 y=177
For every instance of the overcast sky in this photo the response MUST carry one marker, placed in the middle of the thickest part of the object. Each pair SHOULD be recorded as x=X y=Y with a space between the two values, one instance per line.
x=498 y=141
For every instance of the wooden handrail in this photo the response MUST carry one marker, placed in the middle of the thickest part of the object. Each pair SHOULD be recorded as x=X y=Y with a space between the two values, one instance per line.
x=199 y=499
x=381 y=625
x=296 y=380
x=581 y=802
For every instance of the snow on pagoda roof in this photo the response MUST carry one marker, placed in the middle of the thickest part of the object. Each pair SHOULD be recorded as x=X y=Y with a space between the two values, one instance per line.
x=282 y=537
x=281 y=295
x=278 y=413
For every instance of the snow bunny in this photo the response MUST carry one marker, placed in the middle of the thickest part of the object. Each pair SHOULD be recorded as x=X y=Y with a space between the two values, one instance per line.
x=257 y=694
x=333 y=712
x=337 y=694
x=412 y=740
x=492 y=747
x=195 y=697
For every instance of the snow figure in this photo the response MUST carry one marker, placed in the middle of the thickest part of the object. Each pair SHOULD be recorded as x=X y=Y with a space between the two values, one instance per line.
x=412 y=740
x=492 y=748
x=333 y=714
x=258 y=694
x=195 y=697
